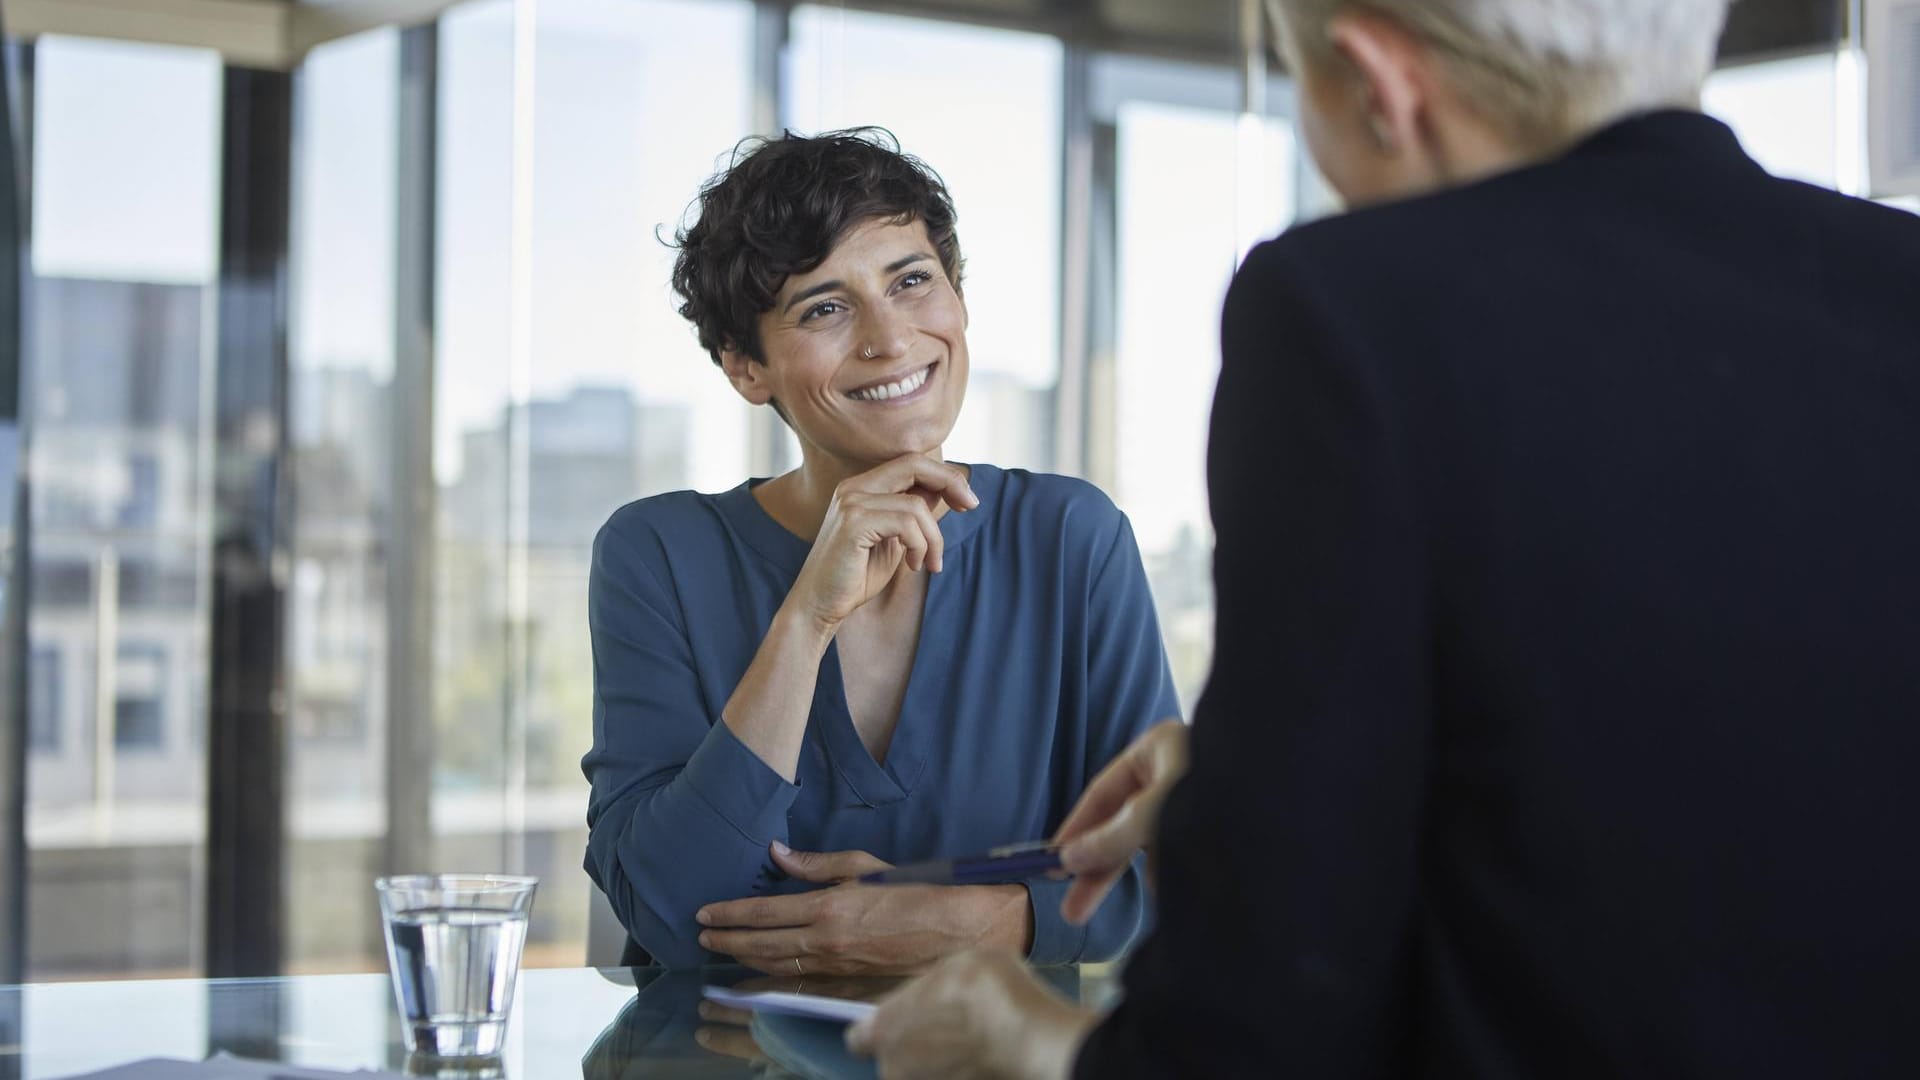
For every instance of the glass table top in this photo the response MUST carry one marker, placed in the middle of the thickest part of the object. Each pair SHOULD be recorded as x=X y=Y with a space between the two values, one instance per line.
x=598 y=1024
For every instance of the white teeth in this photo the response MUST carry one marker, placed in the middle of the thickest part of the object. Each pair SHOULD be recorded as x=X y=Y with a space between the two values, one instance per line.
x=893 y=390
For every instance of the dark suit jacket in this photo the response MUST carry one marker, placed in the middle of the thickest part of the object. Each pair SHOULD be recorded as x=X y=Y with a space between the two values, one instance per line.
x=1565 y=719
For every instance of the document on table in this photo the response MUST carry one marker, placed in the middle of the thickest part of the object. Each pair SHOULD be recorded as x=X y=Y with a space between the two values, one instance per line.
x=811 y=1006
x=223 y=1067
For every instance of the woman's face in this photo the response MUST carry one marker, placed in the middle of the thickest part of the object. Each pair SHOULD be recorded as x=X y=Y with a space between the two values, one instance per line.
x=867 y=353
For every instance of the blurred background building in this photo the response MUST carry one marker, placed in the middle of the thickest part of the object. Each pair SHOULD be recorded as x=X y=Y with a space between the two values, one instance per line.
x=345 y=325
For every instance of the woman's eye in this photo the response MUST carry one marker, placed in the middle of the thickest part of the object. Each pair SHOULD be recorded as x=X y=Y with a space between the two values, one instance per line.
x=918 y=277
x=820 y=310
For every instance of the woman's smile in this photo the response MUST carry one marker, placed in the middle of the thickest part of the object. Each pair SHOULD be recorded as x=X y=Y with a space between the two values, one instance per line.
x=896 y=390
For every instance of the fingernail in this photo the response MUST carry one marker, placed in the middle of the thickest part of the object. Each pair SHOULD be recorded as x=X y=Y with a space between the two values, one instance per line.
x=706 y=942
x=703 y=918
x=781 y=849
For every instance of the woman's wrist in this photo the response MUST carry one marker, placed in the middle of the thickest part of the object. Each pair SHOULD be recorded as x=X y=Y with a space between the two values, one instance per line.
x=793 y=622
x=1010 y=924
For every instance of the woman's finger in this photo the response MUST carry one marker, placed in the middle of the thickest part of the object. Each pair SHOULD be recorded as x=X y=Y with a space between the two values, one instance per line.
x=1085 y=894
x=909 y=471
x=778 y=947
x=826 y=867
x=883 y=514
x=715 y=1013
x=1115 y=841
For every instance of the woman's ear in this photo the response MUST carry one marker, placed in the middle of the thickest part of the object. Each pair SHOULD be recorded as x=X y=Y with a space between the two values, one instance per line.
x=748 y=376
x=1390 y=66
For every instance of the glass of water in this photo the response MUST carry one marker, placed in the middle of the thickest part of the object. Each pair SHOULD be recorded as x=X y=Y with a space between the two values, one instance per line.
x=453 y=946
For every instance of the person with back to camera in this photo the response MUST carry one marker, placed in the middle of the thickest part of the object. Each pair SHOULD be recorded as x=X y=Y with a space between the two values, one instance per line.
x=1566 y=698
x=880 y=656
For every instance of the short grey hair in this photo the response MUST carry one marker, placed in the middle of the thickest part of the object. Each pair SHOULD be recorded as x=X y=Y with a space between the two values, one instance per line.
x=1546 y=71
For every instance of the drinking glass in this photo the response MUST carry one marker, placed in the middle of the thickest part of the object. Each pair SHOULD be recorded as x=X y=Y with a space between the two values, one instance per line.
x=453 y=947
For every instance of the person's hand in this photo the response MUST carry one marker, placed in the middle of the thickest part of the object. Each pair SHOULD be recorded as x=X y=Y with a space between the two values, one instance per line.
x=854 y=929
x=723 y=1030
x=980 y=1014
x=877 y=520
x=1117 y=815
x=726 y=1030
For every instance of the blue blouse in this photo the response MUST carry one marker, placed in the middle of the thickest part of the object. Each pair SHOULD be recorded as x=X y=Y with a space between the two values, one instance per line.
x=1039 y=660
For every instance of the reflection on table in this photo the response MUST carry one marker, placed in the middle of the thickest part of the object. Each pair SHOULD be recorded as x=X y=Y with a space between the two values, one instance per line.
x=597 y=1024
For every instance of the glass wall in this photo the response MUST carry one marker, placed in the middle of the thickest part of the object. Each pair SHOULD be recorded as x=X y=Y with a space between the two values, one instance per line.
x=568 y=384
x=341 y=358
x=572 y=136
x=983 y=108
x=1170 y=284
x=118 y=330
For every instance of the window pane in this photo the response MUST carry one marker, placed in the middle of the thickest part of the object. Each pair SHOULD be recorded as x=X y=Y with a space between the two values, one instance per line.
x=983 y=108
x=341 y=360
x=620 y=402
x=1227 y=183
x=105 y=111
x=118 y=338
x=1785 y=112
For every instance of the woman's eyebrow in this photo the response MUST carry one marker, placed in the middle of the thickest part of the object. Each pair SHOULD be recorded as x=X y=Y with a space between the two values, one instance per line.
x=812 y=291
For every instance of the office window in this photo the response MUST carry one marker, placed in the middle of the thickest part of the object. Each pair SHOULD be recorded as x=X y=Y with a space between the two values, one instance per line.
x=140 y=699
x=341 y=362
x=46 y=698
x=117 y=330
x=983 y=108
x=568 y=385
x=1787 y=114
x=1227 y=181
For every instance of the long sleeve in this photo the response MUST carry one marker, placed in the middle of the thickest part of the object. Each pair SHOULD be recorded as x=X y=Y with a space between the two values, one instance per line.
x=1287 y=857
x=681 y=812
x=1129 y=689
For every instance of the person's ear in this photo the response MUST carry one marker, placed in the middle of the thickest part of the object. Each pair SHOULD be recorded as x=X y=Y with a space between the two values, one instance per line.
x=1390 y=66
x=748 y=376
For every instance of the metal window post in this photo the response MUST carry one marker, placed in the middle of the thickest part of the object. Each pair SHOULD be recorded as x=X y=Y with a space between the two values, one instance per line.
x=411 y=532
x=246 y=739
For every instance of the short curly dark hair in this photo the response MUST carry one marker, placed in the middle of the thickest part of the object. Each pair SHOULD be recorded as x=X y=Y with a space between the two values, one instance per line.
x=780 y=207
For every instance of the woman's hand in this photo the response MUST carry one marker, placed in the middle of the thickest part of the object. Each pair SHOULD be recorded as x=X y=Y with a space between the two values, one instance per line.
x=854 y=929
x=977 y=1015
x=877 y=521
x=1117 y=816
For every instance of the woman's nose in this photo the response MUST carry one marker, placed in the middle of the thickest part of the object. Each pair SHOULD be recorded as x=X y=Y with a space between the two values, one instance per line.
x=887 y=337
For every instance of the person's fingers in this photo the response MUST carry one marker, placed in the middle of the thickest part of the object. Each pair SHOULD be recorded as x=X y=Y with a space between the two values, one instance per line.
x=1115 y=841
x=760 y=912
x=733 y=1042
x=1085 y=894
x=1103 y=798
x=826 y=867
x=902 y=517
x=860 y=1036
x=715 y=1013
x=909 y=471
x=749 y=946
x=1134 y=782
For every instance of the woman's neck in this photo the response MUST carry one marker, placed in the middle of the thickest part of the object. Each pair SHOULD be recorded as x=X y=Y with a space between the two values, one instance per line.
x=798 y=500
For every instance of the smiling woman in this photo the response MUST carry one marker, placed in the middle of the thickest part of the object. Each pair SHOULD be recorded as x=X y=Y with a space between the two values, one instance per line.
x=881 y=656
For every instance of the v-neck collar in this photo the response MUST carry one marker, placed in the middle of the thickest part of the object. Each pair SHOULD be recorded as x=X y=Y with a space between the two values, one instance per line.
x=871 y=782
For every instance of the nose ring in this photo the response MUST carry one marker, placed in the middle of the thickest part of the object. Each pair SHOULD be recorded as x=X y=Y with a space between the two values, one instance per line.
x=867 y=352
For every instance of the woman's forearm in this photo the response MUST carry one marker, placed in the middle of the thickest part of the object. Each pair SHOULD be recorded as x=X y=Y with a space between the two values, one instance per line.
x=768 y=710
